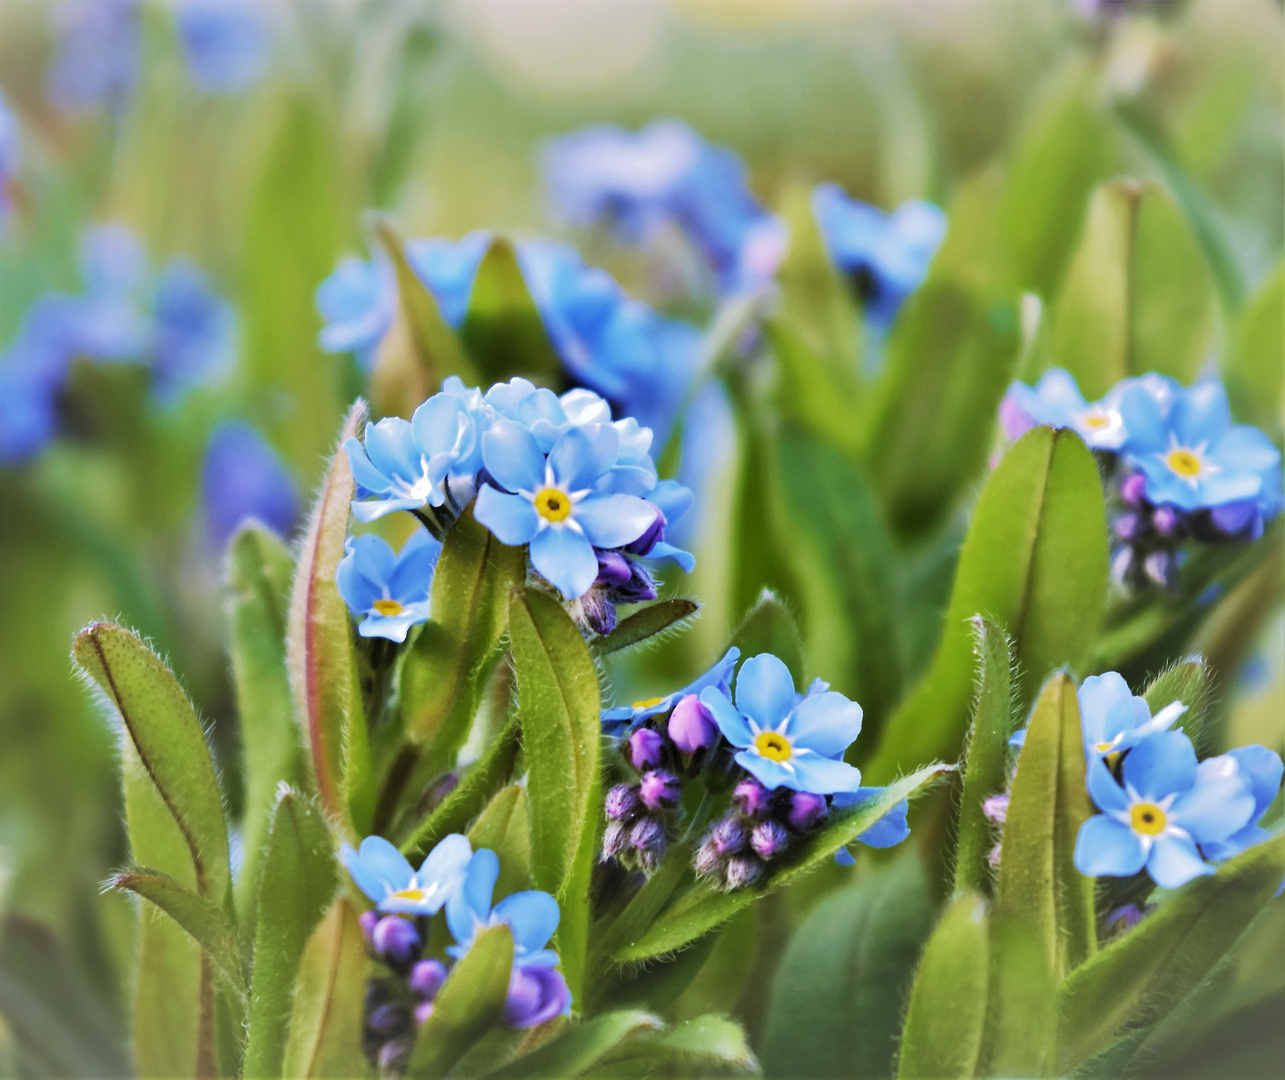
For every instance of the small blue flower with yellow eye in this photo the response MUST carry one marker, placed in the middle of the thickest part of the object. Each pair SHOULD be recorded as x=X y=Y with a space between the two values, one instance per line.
x=390 y=591
x=383 y=874
x=618 y=720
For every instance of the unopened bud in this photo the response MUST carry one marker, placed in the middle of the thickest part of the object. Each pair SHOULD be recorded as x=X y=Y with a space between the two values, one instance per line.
x=423 y=1011
x=659 y=788
x=1162 y=568
x=741 y=871
x=727 y=835
x=769 y=839
x=615 y=839
x=1127 y=526
x=1165 y=520
x=996 y=808
x=622 y=803
x=751 y=798
x=394 y=1055
x=645 y=747
x=367 y=920
x=395 y=940
x=691 y=725
x=647 y=834
x=806 y=810
x=1133 y=489
x=993 y=857
x=386 y=1019
x=613 y=569
x=707 y=860
x=426 y=978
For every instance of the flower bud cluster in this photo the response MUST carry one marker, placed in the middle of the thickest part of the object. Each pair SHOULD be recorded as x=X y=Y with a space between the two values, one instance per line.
x=396 y=1004
x=759 y=828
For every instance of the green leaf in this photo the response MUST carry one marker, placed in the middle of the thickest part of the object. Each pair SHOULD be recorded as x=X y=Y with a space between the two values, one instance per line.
x=840 y=992
x=691 y=1048
x=1021 y=1021
x=1035 y=563
x=947 y=1012
x=329 y=999
x=646 y=623
x=1141 y=976
x=769 y=627
x=1038 y=882
x=812 y=393
x=1252 y=368
x=259 y=572
x=482 y=779
x=986 y=763
x=446 y=669
x=195 y=914
x=505 y=828
x=580 y=1047
x=1188 y=682
x=420 y=349
x=703 y=907
x=298 y=883
x=470 y=1002
x=559 y=706
x=170 y=745
x=503 y=329
x=319 y=648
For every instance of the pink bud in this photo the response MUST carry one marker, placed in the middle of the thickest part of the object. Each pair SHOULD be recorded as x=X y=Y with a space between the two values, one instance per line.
x=659 y=788
x=751 y=798
x=645 y=748
x=691 y=725
x=806 y=810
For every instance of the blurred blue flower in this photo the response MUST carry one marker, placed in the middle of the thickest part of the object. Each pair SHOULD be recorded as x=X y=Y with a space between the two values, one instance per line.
x=226 y=42
x=112 y=323
x=194 y=332
x=1164 y=809
x=242 y=477
x=719 y=677
x=448 y=268
x=558 y=505
x=389 y=593
x=97 y=54
x=785 y=741
x=1194 y=457
x=10 y=156
x=886 y=255
x=356 y=301
x=32 y=372
x=384 y=875
x=1056 y=401
x=1262 y=770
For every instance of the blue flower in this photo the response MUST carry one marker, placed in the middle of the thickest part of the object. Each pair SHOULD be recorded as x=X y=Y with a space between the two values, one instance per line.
x=384 y=875
x=390 y=591
x=194 y=332
x=242 y=477
x=889 y=831
x=562 y=505
x=1056 y=401
x=357 y=302
x=719 y=677
x=1194 y=457
x=1261 y=769
x=424 y=462
x=1113 y=720
x=10 y=156
x=887 y=255
x=112 y=322
x=785 y=741
x=32 y=372
x=225 y=42
x=448 y=268
x=97 y=54
x=1162 y=813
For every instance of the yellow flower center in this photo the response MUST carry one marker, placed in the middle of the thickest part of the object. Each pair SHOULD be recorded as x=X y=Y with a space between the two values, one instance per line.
x=1103 y=747
x=1147 y=818
x=552 y=504
x=387 y=607
x=773 y=746
x=647 y=702
x=1096 y=420
x=415 y=894
x=1183 y=462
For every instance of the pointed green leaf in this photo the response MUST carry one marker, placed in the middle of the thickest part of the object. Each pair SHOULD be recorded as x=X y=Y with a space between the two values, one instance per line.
x=298 y=883
x=646 y=623
x=580 y=1047
x=986 y=762
x=259 y=573
x=446 y=669
x=1035 y=563
x=505 y=828
x=708 y=1042
x=319 y=646
x=170 y=745
x=1188 y=682
x=1021 y=1020
x=769 y=627
x=1145 y=973
x=841 y=989
x=503 y=329
x=1038 y=882
x=329 y=1000
x=702 y=907
x=947 y=1013
x=1252 y=367
x=559 y=706
x=813 y=394
x=470 y=1002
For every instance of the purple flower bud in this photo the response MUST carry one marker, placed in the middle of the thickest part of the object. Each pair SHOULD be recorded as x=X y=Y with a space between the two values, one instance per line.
x=613 y=568
x=996 y=808
x=423 y=1011
x=654 y=534
x=1127 y=526
x=1165 y=520
x=638 y=589
x=597 y=612
x=742 y=870
x=367 y=920
x=426 y=978
x=1013 y=419
x=395 y=940
x=1133 y=489
x=1124 y=918
x=707 y=860
x=659 y=788
x=393 y=1056
x=993 y=857
x=386 y=1018
x=806 y=810
x=751 y=798
x=649 y=860
x=691 y=725
x=615 y=838
x=727 y=835
x=622 y=803
x=536 y=995
x=1162 y=568
x=644 y=748
x=769 y=839
x=1123 y=565
x=647 y=834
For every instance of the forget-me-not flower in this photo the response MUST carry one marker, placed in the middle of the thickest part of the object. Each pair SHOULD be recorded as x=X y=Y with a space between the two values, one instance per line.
x=112 y=323
x=784 y=741
x=1161 y=814
x=33 y=370
x=226 y=43
x=357 y=301
x=193 y=331
x=1261 y=769
x=384 y=875
x=886 y=255
x=1056 y=401
x=242 y=477
x=10 y=156
x=97 y=54
x=719 y=677
x=1112 y=719
x=388 y=592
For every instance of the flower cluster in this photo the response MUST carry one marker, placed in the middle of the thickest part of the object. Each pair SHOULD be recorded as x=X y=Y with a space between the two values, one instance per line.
x=555 y=474
x=1161 y=809
x=1178 y=467
x=780 y=753
x=461 y=881
x=637 y=183
x=640 y=361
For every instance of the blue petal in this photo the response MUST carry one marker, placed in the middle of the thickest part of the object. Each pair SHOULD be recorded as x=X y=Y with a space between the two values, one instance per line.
x=449 y=859
x=566 y=559
x=391 y=627
x=728 y=718
x=1103 y=789
x=1160 y=765
x=1200 y=414
x=765 y=690
x=771 y=774
x=685 y=559
x=828 y=723
x=364 y=472
x=611 y=521
x=1106 y=708
x=1142 y=418
x=1213 y=810
x=823 y=776
x=512 y=457
x=413 y=574
x=1245 y=449
x=370 y=510
x=377 y=867
x=1165 y=487
x=391 y=447
x=1174 y=861
x=889 y=830
x=580 y=456
x=532 y=916
x=1224 y=487
x=1108 y=848
x=844 y=857
x=469 y=906
x=511 y=518
x=1263 y=769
